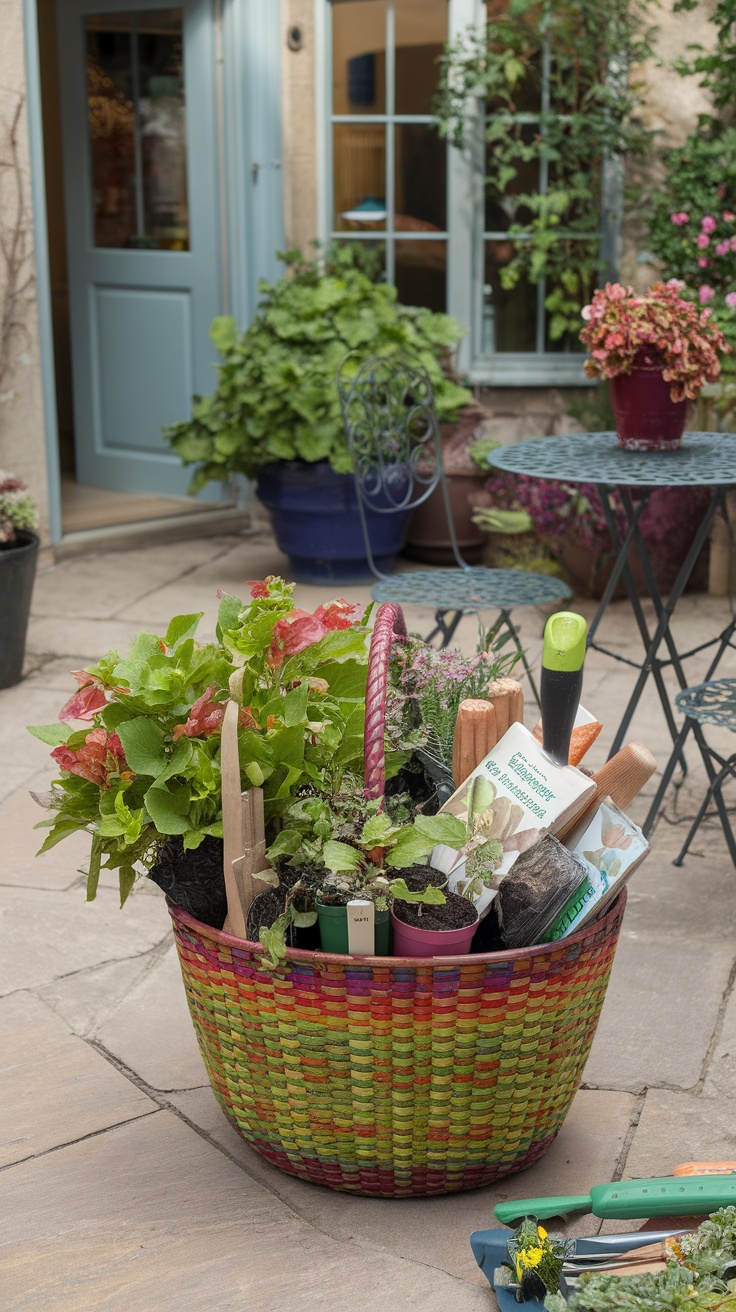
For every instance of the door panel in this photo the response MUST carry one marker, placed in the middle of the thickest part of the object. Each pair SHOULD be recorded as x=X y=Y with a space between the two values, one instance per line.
x=141 y=183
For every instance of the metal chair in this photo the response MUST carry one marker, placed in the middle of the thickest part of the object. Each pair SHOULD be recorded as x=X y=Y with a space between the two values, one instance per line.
x=394 y=440
x=710 y=703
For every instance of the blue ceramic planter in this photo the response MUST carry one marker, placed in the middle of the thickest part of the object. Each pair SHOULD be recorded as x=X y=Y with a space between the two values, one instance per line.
x=316 y=522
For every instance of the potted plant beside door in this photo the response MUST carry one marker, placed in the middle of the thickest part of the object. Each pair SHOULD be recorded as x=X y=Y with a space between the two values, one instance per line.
x=18 y=556
x=275 y=413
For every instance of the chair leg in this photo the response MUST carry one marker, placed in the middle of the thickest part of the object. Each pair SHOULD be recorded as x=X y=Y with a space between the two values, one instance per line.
x=445 y=627
x=713 y=794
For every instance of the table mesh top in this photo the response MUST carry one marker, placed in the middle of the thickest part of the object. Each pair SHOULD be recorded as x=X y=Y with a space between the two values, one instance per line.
x=471 y=589
x=704 y=459
x=710 y=703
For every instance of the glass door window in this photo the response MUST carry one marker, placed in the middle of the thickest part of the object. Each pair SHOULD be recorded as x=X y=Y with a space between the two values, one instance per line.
x=137 y=129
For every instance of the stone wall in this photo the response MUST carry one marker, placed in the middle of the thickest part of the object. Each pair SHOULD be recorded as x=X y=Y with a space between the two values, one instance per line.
x=22 y=442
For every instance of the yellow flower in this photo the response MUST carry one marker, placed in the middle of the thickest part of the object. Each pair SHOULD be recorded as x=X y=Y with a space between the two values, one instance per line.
x=541 y=1232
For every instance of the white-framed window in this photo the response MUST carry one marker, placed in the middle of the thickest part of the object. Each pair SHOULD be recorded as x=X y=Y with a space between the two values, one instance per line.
x=388 y=179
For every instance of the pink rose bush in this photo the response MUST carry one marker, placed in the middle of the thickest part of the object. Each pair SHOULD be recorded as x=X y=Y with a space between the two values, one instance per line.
x=659 y=327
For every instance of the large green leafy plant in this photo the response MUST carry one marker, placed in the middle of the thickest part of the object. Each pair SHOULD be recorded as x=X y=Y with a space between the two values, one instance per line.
x=559 y=101
x=276 y=396
x=138 y=744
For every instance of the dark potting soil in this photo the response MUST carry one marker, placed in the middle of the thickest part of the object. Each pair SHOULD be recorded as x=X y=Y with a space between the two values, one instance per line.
x=456 y=912
x=418 y=877
x=193 y=879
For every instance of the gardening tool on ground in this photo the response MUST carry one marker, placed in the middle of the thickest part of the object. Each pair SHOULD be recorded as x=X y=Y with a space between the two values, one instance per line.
x=693 y=1195
x=562 y=681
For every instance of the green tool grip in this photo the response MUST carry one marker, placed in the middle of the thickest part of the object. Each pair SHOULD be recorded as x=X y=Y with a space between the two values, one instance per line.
x=693 y=1195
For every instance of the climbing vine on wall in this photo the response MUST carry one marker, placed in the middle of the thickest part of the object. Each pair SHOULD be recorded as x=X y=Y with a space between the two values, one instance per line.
x=554 y=90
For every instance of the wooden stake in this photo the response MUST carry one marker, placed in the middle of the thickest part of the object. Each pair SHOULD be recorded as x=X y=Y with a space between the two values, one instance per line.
x=621 y=779
x=244 y=838
x=475 y=736
x=508 y=699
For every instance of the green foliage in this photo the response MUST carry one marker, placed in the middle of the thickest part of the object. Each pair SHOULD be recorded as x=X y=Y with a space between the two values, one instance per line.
x=17 y=508
x=148 y=764
x=276 y=396
x=591 y=48
x=673 y=1290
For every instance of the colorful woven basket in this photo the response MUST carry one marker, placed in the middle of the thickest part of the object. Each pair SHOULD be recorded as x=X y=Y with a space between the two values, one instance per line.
x=396 y=1076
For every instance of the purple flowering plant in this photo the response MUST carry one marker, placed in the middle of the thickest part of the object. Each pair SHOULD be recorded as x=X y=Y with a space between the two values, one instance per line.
x=17 y=509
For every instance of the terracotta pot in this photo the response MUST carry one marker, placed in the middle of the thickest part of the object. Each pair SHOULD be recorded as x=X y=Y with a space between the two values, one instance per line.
x=647 y=419
x=428 y=538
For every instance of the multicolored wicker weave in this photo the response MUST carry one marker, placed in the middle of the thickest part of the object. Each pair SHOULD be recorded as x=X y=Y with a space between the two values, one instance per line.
x=396 y=1076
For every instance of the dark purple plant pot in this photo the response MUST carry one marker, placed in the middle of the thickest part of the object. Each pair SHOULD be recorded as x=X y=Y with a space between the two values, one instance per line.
x=647 y=419
x=315 y=518
x=17 y=572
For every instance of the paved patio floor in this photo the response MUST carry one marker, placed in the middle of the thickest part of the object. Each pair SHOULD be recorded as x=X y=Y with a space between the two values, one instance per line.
x=123 y=1187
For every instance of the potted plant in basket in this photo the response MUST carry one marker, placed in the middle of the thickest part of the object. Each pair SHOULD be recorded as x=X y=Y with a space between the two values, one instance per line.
x=657 y=350
x=275 y=414
x=18 y=556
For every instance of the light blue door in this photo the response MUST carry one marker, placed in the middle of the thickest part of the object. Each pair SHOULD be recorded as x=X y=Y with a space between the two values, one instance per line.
x=142 y=209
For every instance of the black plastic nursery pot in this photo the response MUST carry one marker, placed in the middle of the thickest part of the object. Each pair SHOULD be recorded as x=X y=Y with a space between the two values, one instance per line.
x=316 y=522
x=17 y=572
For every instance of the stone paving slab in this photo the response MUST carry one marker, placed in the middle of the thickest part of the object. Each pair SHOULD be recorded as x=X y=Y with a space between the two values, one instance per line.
x=680 y=1127
x=150 y=1216
x=437 y=1230
x=47 y=934
x=54 y=1088
x=87 y=997
x=721 y=1077
x=58 y=868
x=660 y=1011
x=151 y=1031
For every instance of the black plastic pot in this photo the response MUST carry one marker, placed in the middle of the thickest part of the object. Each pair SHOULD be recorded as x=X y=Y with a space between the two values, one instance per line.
x=17 y=572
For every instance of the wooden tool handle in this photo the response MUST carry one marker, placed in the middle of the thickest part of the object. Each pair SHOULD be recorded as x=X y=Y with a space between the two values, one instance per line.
x=508 y=700
x=475 y=736
x=621 y=779
x=243 y=829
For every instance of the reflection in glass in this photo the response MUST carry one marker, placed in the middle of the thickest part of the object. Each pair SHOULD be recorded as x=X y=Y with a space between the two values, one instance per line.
x=136 y=116
x=421 y=273
x=421 y=31
x=421 y=178
x=509 y=317
x=359 y=169
x=358 y=56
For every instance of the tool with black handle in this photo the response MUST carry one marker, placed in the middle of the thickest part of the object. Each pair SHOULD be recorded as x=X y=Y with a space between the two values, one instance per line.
x=562 y=681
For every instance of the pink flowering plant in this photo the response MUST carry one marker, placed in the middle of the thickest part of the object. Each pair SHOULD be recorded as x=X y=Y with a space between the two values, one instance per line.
x=138 y=741
x=659 y=328
x=17 y=509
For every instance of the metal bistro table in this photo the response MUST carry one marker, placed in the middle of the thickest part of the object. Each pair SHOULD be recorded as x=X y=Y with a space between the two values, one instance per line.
x=704 y=460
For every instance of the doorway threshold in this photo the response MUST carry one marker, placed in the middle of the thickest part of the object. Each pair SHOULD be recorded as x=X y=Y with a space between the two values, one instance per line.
x=230 y=521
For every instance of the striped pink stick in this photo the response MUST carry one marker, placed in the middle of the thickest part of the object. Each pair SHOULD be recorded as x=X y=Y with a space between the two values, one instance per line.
x=390 y=624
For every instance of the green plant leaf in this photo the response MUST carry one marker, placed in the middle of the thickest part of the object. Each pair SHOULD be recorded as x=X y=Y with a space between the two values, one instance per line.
x=182 y=626
x=143 y=744
x=126 y=876
x=340 y=858
x=168 y=810
x=52 y=734
x=93 y=872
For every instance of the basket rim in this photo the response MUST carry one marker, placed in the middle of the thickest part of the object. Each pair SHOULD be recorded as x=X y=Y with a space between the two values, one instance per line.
x=510 y=954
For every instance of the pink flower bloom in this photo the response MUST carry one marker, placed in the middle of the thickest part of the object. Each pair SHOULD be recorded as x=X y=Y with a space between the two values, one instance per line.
x=92 y=696
x=723 y=247
x=205 y=717
x=703 y=240
x=708 y=224
x=339 y=614
x=705 y=293
x=100 y=755
x=676 y=283
x=731 y=300
x=294 y=633
x=728 y=216
x=258 y=588
x=733 y=243
x=680 y=219
x=703 y=262
x=586 y=311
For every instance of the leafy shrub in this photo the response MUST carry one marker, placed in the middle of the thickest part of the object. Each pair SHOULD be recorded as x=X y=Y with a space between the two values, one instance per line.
x=276 y=396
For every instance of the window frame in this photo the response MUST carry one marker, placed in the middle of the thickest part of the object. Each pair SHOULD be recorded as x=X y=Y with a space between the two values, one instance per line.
x=465 y=233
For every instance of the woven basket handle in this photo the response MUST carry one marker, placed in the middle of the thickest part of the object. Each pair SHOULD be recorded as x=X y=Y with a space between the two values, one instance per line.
x=390 y=624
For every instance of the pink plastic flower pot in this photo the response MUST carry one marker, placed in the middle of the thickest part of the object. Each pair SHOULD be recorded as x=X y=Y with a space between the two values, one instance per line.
x=647 y=419
x=410 y=941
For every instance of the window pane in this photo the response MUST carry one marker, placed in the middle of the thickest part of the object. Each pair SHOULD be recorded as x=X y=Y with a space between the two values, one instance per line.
x=359 y=169
x=421 y=31
x=421 y=273
x=370 y=256
x=358 y=56
x=509 y=317
x=136 y=115
x=421 y=178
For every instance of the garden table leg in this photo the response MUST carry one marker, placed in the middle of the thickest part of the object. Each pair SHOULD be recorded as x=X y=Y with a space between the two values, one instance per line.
x=445 y=627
